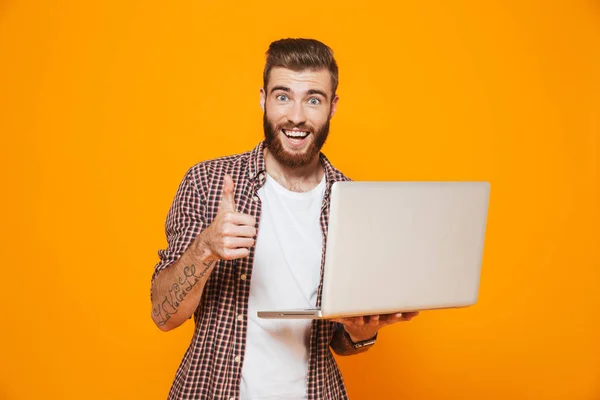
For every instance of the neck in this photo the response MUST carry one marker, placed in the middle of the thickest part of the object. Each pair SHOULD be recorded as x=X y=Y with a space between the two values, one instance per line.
x=301 y=179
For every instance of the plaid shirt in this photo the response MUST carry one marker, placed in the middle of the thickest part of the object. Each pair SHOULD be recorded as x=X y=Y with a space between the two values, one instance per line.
x=212 y=365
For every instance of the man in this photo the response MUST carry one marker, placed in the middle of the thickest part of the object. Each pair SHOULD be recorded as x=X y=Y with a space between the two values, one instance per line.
x=247 y=232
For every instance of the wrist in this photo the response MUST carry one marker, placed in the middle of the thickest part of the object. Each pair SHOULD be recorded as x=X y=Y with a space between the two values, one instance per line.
x=356 y=339
x=357 y=342
x=201 y=249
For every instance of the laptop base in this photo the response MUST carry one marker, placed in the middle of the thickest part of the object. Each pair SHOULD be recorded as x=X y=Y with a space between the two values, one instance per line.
x=291 y=314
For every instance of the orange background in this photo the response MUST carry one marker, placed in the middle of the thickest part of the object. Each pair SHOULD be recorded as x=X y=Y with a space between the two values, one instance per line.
x=104 y=105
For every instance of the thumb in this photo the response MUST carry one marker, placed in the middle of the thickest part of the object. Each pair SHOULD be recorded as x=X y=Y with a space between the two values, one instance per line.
x=227 y=200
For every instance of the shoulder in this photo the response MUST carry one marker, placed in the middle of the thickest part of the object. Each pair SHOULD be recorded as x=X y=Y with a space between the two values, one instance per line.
x=333 y=174
x=340 y=175
x=208 y=174
x=221 y=165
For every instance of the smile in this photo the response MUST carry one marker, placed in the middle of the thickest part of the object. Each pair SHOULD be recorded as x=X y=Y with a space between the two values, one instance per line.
x=296 y=134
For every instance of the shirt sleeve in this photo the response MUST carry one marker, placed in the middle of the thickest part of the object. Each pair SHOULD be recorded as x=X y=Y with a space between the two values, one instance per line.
x=185 y=220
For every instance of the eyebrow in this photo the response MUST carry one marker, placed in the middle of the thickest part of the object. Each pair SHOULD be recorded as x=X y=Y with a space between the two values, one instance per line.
x=315 y=91
x=310 y=92
x=282 y=88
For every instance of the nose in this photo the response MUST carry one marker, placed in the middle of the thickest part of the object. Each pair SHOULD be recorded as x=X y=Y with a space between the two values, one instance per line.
x=296 y=114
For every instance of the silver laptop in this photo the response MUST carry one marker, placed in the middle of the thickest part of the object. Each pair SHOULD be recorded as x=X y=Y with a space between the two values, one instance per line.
x=400 y=246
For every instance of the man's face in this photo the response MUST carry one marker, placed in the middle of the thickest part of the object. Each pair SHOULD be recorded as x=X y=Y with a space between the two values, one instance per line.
x=297 y=108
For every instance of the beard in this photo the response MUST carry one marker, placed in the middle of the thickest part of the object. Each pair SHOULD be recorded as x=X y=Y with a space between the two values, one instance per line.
x=293 y=160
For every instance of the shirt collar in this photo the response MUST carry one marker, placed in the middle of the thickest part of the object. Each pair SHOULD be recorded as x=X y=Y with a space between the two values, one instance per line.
x=257 y=167
x=257 y=161
x=331 y=174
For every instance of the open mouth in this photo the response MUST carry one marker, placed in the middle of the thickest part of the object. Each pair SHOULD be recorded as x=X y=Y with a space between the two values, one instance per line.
x=295 y=134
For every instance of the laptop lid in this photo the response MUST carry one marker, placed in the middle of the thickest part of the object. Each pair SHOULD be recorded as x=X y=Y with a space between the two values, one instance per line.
x=403 y=246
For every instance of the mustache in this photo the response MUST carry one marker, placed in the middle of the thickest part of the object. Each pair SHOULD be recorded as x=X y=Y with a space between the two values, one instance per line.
x=301 y=126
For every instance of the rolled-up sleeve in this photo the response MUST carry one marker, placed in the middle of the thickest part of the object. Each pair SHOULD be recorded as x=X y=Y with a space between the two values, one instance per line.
x=185 y=220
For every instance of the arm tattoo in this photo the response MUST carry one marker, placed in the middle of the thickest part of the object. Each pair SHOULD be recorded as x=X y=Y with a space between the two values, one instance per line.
x=177 y=292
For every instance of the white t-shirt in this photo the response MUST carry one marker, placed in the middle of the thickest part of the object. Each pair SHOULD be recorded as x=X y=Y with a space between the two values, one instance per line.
x=285 y=275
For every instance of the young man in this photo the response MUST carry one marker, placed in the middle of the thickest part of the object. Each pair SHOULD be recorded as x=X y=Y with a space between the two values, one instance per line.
x=245 y=233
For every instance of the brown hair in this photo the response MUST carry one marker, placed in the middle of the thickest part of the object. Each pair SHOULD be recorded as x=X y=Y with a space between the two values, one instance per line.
x=300 y=55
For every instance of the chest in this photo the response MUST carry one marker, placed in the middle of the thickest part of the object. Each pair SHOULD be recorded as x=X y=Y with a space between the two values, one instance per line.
x=295 y=229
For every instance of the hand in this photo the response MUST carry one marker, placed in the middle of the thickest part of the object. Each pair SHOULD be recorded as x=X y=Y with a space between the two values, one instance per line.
x=231 y=234
x=365 y=328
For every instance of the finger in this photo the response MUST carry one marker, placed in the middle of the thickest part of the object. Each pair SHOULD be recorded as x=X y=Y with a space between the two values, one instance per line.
x=241 y=231
x=239 y=218
x=388 y=319
x=237 y=242
x=398 y=317
x=227 y=197
x=234 y=254
x=374 y=320
x=407 y=316
x=359 y=321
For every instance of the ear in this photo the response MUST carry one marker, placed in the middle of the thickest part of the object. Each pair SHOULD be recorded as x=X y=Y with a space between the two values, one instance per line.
x=333 y=106
x=263 y=98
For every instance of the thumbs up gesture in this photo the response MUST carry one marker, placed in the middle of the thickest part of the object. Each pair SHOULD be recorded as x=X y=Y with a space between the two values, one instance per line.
x=231 y=234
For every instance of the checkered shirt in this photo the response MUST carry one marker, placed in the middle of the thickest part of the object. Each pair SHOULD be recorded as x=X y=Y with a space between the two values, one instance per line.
x=212 y=365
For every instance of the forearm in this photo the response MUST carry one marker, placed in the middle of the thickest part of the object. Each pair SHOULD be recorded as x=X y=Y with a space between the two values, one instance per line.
x=341 y=344
x=177 y=290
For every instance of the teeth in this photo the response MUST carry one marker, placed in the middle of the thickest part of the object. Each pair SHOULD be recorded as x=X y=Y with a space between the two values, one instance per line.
x=295 y=134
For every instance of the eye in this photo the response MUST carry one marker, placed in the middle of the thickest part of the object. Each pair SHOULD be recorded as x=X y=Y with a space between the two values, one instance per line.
x=282 y=97
x=314 y=101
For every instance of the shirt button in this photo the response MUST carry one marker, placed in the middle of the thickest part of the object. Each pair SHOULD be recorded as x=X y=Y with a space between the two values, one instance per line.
x=255 y=199
x=232 y=398
x=240 y=317
x=237 y=359
x=243 y=277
